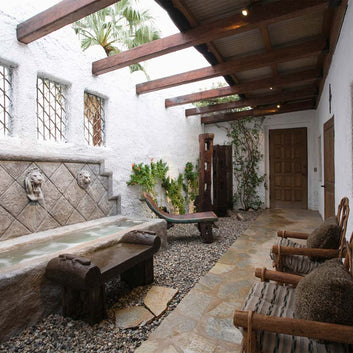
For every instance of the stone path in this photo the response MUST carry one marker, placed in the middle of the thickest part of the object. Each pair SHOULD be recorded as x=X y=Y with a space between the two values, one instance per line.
x=203 y=321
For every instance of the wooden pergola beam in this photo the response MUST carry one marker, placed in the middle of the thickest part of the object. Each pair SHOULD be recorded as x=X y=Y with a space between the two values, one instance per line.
x=180 y=5
x=281 y=98
x=293 y=107
x=293 y=52
x=301 y=77
x=58 y=16
x=260 y=14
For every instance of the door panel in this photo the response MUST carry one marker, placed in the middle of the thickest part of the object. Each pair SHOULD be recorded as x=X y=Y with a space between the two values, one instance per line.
x=329 y=168
x=222 y=179
x=288 y=168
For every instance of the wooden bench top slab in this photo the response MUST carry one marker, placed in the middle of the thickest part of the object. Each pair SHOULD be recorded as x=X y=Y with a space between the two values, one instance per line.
x=119 y=258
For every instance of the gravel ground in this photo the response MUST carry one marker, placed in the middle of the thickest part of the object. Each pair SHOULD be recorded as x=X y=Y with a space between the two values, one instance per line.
x=181 y=266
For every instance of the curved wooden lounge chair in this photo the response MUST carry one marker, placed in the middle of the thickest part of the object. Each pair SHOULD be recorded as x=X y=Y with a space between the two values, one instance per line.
x=269 y=324
x=204 y=220
x=290 y=256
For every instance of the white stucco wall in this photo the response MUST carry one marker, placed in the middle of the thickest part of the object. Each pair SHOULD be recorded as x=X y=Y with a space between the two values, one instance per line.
x=282 y=121
x=341 y=79
x=137 y=128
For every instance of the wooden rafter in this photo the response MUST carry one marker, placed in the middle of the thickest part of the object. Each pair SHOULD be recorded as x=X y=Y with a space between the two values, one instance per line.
x=58 y=16
x=268 y=45
x=293 y=107
x=261 y=14
x=179 y=4
x=281 y=98
x=293 y=52
x=286 y=80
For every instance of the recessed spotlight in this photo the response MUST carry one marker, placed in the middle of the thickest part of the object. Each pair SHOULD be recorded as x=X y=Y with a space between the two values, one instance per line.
x=271 y=88
x=244 y=12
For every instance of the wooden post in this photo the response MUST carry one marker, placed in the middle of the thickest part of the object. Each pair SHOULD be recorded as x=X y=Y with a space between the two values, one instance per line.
x=205 y=178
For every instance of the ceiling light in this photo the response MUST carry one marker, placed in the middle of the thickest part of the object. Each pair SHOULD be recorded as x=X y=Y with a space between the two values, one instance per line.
x=271 y=88
x=244 y=12
x=278 y=106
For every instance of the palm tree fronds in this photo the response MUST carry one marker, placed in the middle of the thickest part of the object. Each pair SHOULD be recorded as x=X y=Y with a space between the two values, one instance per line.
x=116 y=28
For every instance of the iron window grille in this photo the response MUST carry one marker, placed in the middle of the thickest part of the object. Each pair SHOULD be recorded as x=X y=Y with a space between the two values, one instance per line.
x=5 y=100
x=51 y=116
x=94 y=120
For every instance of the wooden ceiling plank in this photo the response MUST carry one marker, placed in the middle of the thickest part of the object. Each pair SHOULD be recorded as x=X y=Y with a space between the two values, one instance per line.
x=179 y=4
x=281 y=98
x=227 y=117
x=58 y=16
x=301 y=77
x=298 y=51
x=260 y=14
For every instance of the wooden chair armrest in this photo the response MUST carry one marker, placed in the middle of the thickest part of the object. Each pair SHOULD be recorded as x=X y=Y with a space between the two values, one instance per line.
x=287 y=250
x=289 y=234
x=277 y=276
x=296 y=327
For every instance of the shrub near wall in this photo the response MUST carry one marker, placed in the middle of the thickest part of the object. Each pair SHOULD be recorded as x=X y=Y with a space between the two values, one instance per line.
x=180 y=192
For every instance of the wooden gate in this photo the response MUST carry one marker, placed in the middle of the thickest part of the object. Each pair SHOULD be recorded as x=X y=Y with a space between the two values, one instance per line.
x=222 y=179
x=329 y=167
x=288 y=168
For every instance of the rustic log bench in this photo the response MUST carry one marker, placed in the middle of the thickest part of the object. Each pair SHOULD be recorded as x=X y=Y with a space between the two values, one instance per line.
x=204 y=220
x=83 y=278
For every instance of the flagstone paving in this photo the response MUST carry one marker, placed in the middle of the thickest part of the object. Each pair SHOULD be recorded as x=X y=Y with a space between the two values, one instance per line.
x=158 y=298
x=203 y=321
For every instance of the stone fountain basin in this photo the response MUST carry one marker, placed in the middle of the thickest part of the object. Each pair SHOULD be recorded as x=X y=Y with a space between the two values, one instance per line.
x=26 y=295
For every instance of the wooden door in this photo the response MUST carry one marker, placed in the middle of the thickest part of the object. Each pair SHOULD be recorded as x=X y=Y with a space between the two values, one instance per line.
x=288 y=168
x=329 y=168
x=222 y=179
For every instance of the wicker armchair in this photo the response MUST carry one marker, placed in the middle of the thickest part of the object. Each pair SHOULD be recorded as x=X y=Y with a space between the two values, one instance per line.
x=293 y=257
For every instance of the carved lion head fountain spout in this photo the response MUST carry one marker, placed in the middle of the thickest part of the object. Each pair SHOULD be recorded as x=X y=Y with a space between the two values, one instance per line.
x=33 y=184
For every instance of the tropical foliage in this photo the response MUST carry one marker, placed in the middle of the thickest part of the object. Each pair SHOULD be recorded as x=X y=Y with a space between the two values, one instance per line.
x=180 y=191
x=117 y=28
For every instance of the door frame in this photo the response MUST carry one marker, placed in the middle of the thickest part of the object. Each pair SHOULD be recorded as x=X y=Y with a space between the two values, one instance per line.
x=330 y=121
x=274 y=125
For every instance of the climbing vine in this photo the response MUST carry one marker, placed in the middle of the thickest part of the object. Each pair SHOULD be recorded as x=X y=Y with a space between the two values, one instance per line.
x=244 y=136
x=180 y=191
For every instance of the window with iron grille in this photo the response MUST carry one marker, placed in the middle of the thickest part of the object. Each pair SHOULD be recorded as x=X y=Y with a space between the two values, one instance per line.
x=51 y=117
x=94 y=120
x=5 y=100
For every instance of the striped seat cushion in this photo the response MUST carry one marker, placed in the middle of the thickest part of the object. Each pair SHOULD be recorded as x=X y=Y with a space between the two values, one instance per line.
x=295 y=263
x=271 y=299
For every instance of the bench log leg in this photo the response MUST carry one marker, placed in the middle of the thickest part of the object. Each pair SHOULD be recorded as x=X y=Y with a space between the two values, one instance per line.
x=206 y=232
x=139 y=275
x=96 y=305
x=72 y=305
x=84 y=304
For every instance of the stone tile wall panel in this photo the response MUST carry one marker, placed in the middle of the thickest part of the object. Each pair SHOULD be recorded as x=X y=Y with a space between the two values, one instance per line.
x=65 y=202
